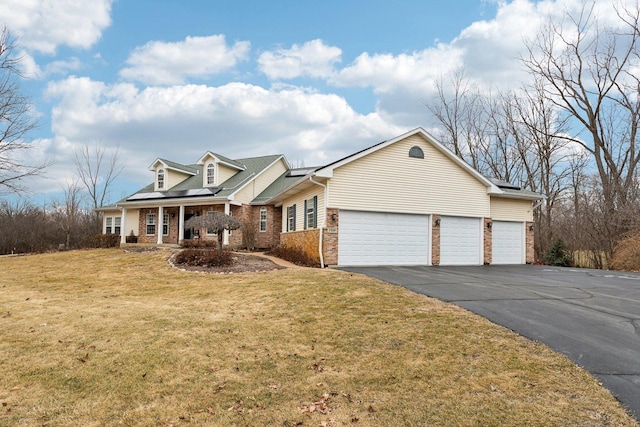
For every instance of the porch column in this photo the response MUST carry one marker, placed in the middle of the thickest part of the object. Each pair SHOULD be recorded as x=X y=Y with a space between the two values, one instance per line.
x=159 y=225
x=227 y=211
x=123 y=226
x=181 y=225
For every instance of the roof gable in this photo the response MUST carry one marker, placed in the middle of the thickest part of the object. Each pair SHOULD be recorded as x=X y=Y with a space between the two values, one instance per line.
x=220 y=159
x=327 y=171
x=168 y=164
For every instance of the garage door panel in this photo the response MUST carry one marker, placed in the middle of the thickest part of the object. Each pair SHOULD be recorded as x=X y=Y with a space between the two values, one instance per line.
x=507 y=245
x=460 y=241
x=375 y=238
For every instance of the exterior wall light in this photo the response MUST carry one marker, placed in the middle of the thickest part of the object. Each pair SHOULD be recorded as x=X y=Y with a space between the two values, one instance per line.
x=489 y=225
x=334 y=217
x=438 y=222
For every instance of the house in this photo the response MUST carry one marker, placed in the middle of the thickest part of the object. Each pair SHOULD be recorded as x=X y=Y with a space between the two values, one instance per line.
x=408 y=200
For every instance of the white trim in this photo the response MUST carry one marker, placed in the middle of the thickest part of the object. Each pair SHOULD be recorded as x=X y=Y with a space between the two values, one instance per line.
x=154 y=166
x=260 y=221
x=181 y=224
x=159 y=224
x=327 y=171
x=217 y=160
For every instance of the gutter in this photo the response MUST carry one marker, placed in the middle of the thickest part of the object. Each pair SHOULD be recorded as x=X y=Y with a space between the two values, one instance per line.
x=324 y=219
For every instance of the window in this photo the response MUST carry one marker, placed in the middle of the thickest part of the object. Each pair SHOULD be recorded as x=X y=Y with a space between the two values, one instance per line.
x=291 y=218
x=165 y=224
x=160 y=179
x=211 y=173
x=263 y=219
x=211 y=231
x=116 y=222
x=109 y=223
x=151 y=224
x=310 y=209
x=416 y=152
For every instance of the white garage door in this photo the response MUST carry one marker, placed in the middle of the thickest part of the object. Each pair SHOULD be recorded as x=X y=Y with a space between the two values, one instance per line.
x=374 y=238
x=507 y=246
x=460 y=241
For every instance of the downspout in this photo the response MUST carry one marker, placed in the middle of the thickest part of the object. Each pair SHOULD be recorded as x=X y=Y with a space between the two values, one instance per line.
x=324 y=219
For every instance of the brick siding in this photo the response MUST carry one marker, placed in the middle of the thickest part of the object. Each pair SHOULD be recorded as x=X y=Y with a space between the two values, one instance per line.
x=435 y=240
x=488 y=241
x=530 y=253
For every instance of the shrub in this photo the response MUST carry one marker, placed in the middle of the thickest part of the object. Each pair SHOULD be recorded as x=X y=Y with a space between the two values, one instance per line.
x=249 y=236
x=558 y=254
x=204 y=257
x=626 y=255
x=199 y=243
x=106 y=241
x=295 y=255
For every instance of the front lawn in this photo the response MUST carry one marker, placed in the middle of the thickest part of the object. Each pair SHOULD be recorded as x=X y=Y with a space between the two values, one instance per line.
x=105 y=337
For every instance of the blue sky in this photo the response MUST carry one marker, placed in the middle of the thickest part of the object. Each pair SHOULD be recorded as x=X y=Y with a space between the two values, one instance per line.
x=314 y=81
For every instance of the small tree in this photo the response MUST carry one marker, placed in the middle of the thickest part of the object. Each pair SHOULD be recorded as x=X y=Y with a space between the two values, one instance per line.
x=558 y=254
x=214 y=221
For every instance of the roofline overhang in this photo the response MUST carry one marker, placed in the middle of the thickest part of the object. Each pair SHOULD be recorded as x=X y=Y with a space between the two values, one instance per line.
x=327 y=171
x=166 y=166
x=281 y=195
x=219 y=160
x=176 y=201
x=532 y=197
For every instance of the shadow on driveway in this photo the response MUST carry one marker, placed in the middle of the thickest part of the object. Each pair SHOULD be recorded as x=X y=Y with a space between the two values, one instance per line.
x=591 y=316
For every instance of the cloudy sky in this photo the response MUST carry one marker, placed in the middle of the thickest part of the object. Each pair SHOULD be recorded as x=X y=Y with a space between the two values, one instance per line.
x=314 y=81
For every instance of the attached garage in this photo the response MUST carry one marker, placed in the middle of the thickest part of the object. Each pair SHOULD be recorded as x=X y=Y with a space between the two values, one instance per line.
x=460 y=241
x=378 y=238
x=507 y=246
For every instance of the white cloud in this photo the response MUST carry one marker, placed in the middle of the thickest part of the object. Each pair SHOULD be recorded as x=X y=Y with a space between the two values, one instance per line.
x=313 y=59
x=43 y=25
x=182 y=122
x=158 y=63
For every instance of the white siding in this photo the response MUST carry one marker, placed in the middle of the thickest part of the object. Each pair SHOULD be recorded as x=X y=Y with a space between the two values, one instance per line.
x=389 y=180
x=298 y=200
x=131 y=222
x=222 y=172
x=258 y=185
x=511 y=209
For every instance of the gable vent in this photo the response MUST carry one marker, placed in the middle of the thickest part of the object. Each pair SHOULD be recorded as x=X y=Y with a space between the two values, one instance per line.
x=416 y=152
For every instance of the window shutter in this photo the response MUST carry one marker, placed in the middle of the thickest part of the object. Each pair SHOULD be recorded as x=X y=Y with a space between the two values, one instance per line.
x=294 y=218
x=305 y=215
x=315 y=211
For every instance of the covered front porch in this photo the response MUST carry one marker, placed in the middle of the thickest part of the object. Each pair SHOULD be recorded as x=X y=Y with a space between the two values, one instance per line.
x=164 y=224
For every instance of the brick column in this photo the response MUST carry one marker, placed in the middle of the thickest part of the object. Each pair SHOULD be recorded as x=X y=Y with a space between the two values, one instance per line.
x=488 y=241
x=330 y=238
x=530 y=254
x=435 y=239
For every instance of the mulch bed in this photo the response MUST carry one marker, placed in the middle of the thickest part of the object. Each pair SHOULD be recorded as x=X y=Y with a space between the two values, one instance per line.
x=242 y=263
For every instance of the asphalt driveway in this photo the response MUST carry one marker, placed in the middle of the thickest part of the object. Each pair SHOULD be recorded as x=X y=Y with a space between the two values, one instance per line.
x=591 y=316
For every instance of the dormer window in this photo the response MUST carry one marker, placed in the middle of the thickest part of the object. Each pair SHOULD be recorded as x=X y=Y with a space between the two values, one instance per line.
x=160 y=179
x=211 y=173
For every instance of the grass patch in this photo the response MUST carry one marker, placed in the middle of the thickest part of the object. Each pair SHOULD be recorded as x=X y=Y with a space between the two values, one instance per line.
x=105 y=337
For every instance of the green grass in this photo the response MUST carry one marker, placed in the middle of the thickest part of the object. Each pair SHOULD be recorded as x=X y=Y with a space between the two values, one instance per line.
x=111 y=338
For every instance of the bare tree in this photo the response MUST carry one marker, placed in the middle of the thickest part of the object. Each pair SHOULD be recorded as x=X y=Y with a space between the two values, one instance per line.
x=16 y=120
x=66 y=213
x=216 y=221
x=589 y=75
x=97 y=172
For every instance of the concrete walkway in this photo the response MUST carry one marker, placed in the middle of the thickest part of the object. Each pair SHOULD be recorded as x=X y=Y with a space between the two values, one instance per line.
x=278 y=261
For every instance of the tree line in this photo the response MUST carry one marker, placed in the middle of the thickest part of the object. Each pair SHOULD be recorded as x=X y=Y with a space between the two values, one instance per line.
x=571 y=134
